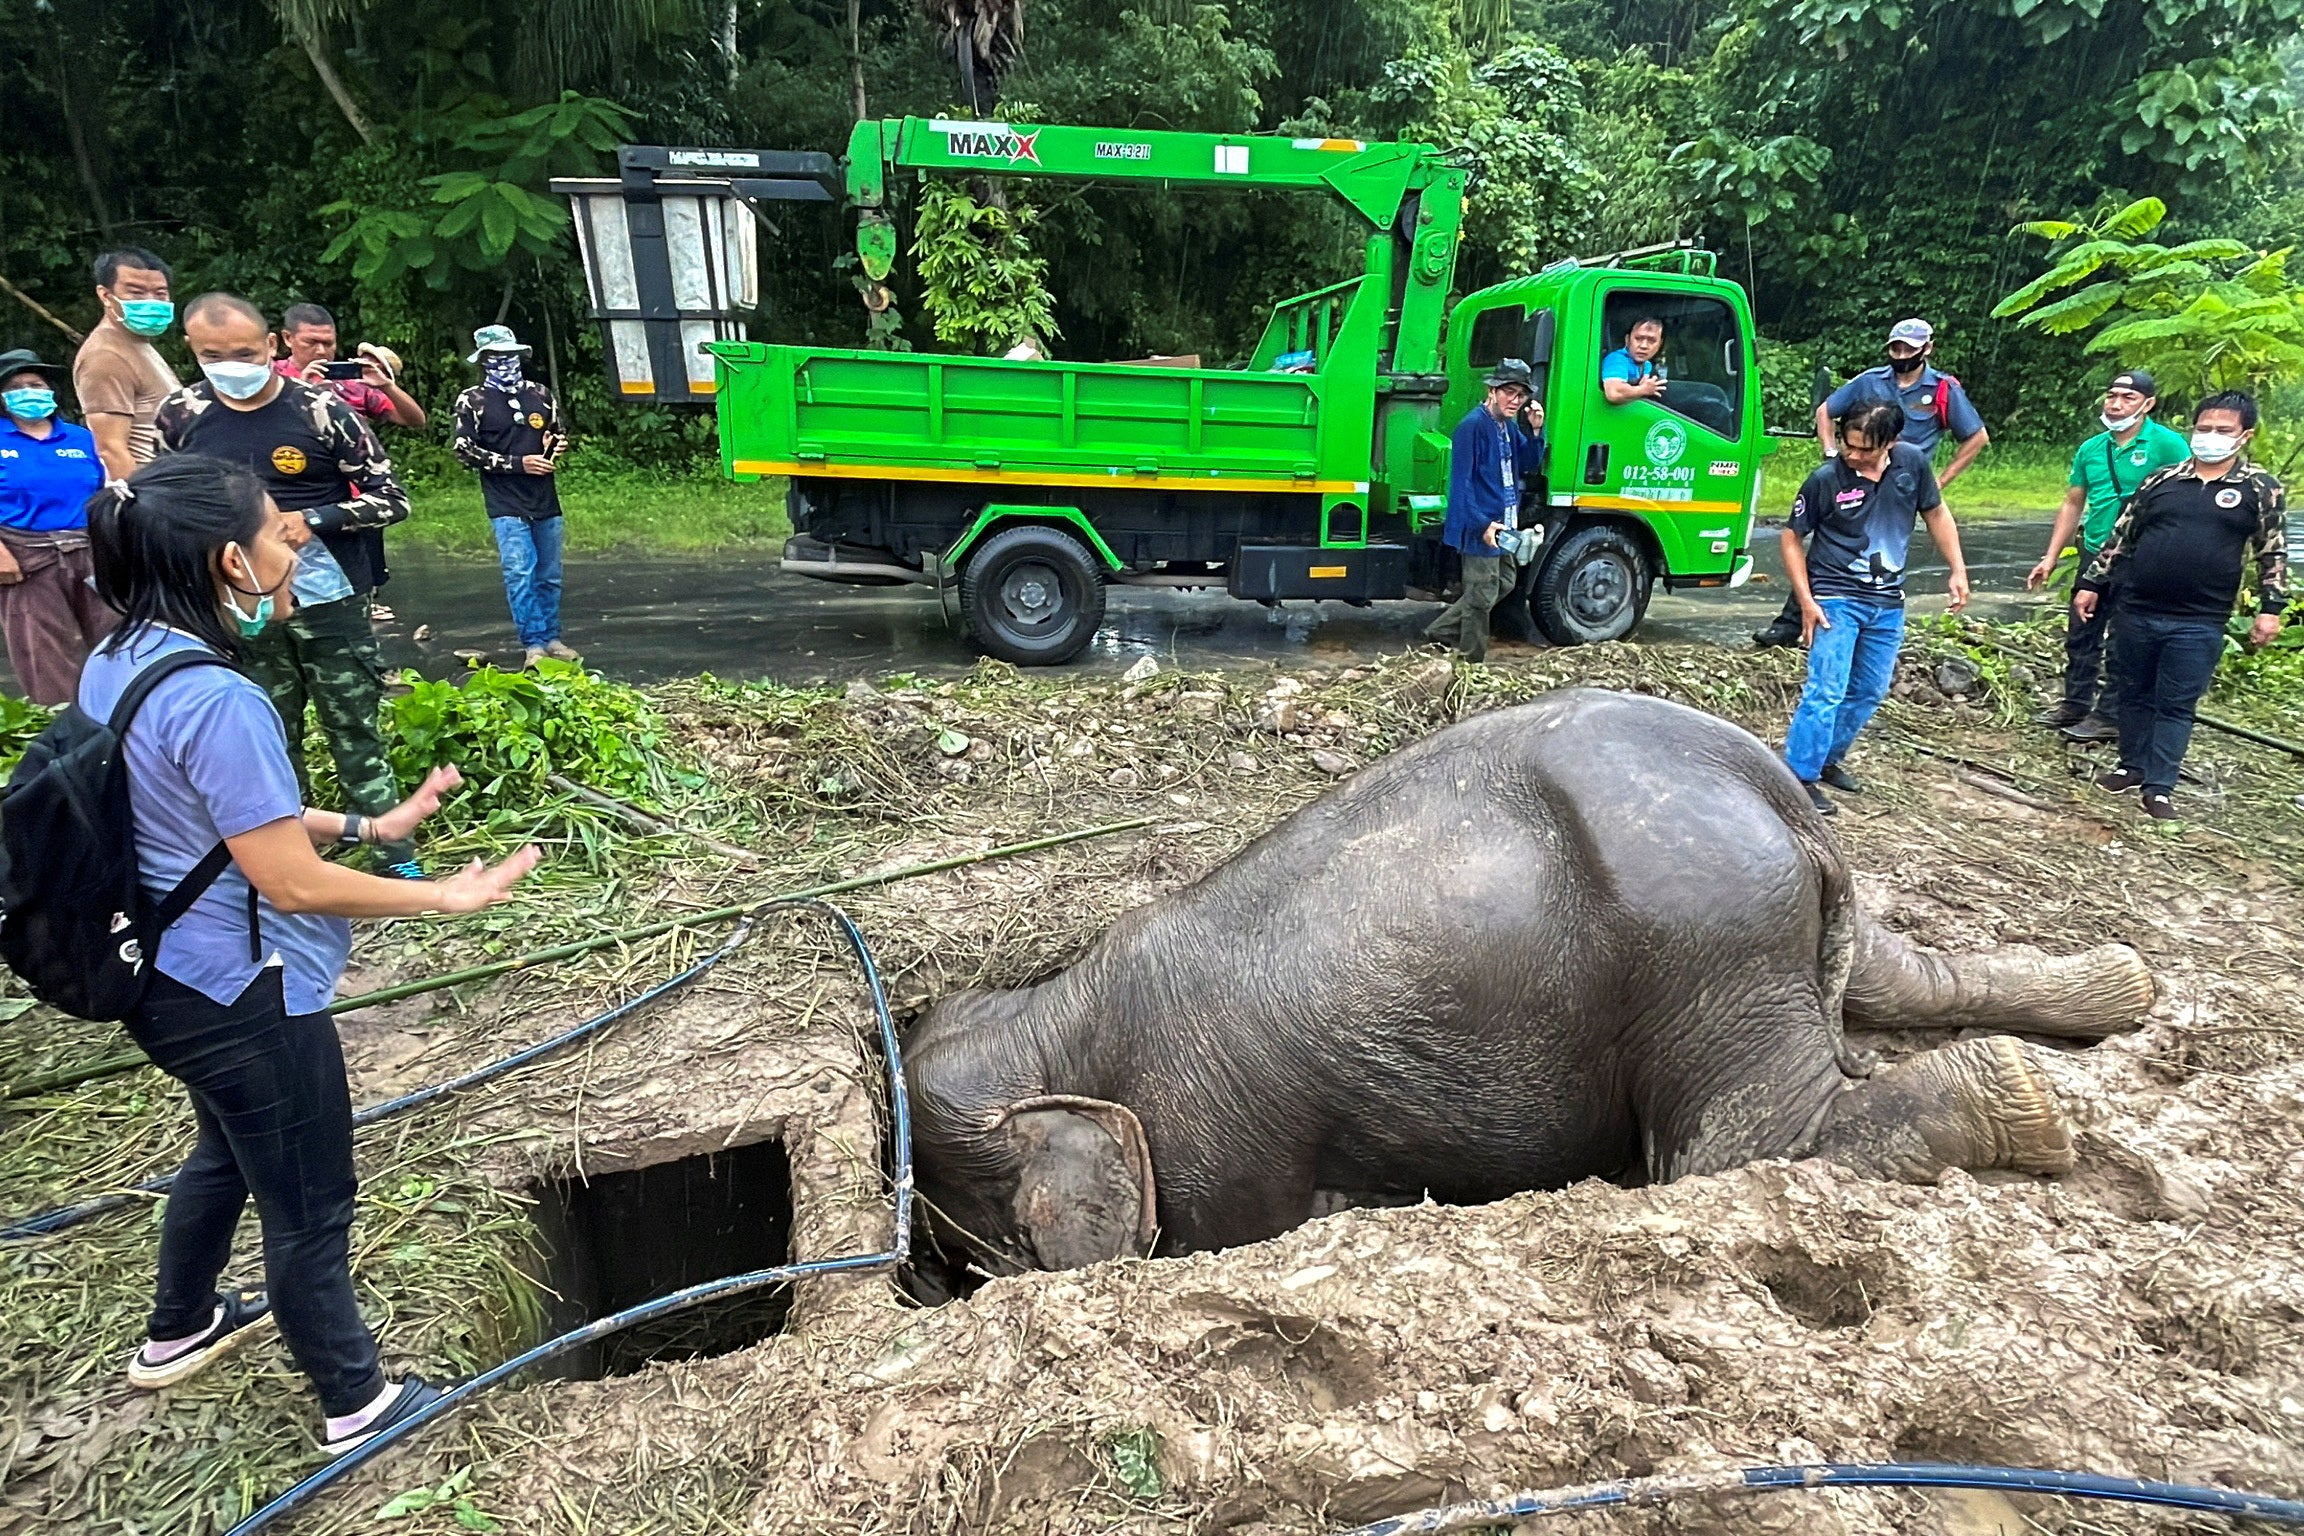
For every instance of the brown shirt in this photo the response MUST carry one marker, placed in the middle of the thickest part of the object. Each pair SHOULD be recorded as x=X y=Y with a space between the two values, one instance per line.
x=118 y=373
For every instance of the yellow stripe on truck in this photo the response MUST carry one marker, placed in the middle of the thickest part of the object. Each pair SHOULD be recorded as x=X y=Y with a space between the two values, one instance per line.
x=1329 y=572
x=1643 y=504
x=1129 y=479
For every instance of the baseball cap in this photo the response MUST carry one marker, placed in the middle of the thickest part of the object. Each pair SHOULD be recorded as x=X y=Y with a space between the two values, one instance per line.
x=495 y=338
x=1511 y=371
x=1914 y=332
x=382 y=356
x=2138 y=380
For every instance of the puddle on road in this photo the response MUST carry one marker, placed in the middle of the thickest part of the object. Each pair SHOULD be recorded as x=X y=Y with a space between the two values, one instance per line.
x=646 y=619
x=649 y=618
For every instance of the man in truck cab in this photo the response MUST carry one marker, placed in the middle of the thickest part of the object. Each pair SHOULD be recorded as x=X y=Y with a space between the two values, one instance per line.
x=1933 y=404
x=1492 y=457
x=1633 y=371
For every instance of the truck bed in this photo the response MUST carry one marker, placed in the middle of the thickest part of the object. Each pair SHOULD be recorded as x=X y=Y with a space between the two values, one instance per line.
x=796 y=410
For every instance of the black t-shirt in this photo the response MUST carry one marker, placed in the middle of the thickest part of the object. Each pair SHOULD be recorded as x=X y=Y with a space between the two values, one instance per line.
x=2191 y=537
x=285 y=447
x=515 y=425
x=1860 y=531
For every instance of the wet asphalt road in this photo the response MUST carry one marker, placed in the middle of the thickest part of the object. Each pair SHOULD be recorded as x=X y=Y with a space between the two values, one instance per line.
x=646 y=619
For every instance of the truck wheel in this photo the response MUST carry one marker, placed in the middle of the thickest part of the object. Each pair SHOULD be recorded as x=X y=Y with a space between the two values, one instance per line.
x=1032 y=595
x=1595 y=587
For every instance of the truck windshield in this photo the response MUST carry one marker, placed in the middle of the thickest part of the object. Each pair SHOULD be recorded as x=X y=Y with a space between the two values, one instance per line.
x=1701 y=360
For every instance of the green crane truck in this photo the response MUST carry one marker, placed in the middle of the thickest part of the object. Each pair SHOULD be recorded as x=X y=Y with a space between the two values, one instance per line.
x=1319 y=469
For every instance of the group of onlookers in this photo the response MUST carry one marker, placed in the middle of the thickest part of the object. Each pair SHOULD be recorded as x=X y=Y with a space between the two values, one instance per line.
x=2163 y=523
x=305 y=422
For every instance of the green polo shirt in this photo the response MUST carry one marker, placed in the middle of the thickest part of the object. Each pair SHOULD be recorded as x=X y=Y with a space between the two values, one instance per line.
x=2109 y=473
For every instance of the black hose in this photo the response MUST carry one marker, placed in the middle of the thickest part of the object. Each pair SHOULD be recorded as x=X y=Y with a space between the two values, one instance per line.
x=899 y=1249
x=71 y=1215
x=1650 y=1491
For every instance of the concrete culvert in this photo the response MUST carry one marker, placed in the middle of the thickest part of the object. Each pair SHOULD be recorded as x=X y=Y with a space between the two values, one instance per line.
x=614 y=1240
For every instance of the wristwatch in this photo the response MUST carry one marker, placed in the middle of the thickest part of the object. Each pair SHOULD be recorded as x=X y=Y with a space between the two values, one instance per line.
x=355 y=830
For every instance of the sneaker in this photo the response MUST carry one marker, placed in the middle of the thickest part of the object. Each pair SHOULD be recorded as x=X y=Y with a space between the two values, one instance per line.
x=1817 y=798
x=561 y=650
x=2120 y=780
x=1841 y=779
x=406 y=869
x=408 y=1398
x=381 y=614
x=237 y=1318
x=1779 y=631
x=530 y=657
x=2092 y=728
x=2057 y=716
x=2160 y=808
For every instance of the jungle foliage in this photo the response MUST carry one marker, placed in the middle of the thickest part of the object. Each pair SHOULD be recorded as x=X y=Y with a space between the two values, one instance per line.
x=1853 y=160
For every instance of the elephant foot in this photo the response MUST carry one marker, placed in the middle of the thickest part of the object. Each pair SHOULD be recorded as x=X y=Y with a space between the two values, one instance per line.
x=1978 y=1104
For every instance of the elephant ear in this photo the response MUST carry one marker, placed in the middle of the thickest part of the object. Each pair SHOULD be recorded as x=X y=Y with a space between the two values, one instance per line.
x=1084 y=1190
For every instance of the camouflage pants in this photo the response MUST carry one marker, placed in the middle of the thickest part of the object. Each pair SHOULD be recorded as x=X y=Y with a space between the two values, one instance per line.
x=326 y=656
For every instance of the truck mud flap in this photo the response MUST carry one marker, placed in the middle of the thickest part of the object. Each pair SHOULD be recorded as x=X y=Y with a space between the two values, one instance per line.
x=1270 y=573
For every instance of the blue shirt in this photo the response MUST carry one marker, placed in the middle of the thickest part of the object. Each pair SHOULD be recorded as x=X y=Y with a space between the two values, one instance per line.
x=1489 y=461
x=1921 y=428
x=207 y=760
x=45 y=482
x=1621 y=366
x=1859 y=530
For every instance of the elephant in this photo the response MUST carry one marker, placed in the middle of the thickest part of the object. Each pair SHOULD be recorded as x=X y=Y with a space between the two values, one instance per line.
x=1597 y=935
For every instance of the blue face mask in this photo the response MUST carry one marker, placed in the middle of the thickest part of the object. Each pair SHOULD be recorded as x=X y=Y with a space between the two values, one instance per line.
x=29 y=404
x=503 y=370
x=147 y=317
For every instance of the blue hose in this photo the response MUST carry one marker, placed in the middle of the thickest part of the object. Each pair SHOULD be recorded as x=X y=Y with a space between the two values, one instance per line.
x=1650 y=1491
x=899 y=1249
x=63 y=1216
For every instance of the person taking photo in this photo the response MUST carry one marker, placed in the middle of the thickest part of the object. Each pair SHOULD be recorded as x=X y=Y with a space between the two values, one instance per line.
x=195 y=556
x=2176 y=555
x=2106 y=470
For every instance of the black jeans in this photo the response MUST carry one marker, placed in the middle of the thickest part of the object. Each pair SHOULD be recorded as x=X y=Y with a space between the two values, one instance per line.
x=2164 y=666
x=2086 y=651
x=275 y=1121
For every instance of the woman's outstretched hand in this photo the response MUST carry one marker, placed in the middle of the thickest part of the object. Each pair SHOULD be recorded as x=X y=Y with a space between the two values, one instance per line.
x=398 y=824
x=479 y=885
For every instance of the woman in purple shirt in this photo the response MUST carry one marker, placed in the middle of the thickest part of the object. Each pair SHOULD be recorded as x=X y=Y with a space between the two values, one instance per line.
x=195 y=557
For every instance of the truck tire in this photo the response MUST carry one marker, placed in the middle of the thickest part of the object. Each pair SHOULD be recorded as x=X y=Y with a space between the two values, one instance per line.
x=1595 y=587
x=1032 y=595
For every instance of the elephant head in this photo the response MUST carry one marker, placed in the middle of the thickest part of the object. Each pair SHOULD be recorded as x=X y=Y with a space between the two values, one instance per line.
x=1054 y=1181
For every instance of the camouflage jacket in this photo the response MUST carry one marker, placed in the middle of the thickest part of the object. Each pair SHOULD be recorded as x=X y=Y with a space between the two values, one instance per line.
x=2259 y=492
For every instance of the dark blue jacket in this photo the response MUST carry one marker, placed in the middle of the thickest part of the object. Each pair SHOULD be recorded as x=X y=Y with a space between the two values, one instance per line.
x=1489 y=464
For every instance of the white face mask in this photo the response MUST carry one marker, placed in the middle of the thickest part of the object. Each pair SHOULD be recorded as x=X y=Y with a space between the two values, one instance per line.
x=2114 y=423
x=238 y=381
x=2214 y=447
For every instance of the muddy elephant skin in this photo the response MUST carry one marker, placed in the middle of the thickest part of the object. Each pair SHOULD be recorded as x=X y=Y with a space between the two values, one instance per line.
x=1595 y=935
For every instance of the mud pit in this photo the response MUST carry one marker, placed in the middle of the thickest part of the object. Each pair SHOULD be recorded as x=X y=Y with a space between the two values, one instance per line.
x=2140 y=1316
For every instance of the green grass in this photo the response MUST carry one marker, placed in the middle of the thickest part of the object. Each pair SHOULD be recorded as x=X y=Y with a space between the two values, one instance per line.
x=675 y=513
x=2013 y=480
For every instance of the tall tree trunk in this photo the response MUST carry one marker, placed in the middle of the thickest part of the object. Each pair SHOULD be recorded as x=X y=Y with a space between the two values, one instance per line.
x=856 y=55
x=725 y=39
x=75 y=96
x=315 y=49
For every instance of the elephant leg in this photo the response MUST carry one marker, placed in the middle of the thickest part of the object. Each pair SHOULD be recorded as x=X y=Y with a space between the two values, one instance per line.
x=1978 y=1104
x=1893 y=985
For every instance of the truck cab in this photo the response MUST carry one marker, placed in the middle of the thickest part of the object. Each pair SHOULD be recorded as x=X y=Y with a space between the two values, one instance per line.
x=1648 y=491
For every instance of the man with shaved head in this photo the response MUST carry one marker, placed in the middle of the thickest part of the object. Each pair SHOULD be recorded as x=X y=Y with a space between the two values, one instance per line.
x=336 y=491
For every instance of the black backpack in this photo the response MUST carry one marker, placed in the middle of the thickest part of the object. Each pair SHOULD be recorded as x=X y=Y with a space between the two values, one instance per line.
x=75 y=923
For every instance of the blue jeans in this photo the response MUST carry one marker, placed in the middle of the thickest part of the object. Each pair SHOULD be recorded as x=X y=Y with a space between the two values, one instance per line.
x=1850 y=667
x=530 y=552
x=2165 y=665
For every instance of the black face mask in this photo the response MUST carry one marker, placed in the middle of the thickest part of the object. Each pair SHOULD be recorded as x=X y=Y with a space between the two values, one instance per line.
x=1903 y=366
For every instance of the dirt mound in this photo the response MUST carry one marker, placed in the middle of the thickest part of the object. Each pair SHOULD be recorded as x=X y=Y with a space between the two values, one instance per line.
x=2141 y=1316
